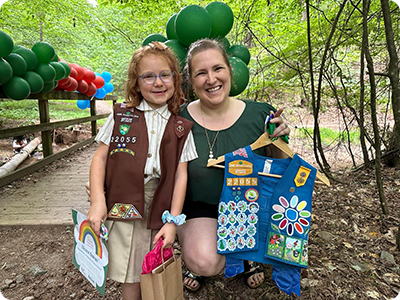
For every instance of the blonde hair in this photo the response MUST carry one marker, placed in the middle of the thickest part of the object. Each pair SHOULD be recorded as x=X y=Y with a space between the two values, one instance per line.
x=133 y=95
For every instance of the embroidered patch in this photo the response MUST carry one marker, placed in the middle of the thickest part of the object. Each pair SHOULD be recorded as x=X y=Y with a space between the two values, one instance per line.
x=126 y=120
x=222 y=207
x=124 y=211
x=231 y=206
x=251 y=195
x=240 y=152
x=250 y=242
x=241 y=230
x=232 y=231
x=252 y=219
x=251 y=230
x=133 y=213
x=293 y=250
x=254 y=207
x=232 y=219
x=123 y=139
x=242 y=206
x=241 y=218
x=301 y=176
x=292 y=216
x=221 y=245
x=180 y=128
x=241 y=242
x=231 y=244
x=240 y=168
x=222 y=220
x=122 y=150
x=123 y=129
x=222 y=232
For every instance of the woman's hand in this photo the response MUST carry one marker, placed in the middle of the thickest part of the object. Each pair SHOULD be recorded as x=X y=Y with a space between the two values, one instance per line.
x=167 y=233
x=281 y=127
x=97 y=213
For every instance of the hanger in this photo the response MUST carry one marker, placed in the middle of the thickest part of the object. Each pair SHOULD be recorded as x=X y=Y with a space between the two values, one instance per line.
x=265 y=140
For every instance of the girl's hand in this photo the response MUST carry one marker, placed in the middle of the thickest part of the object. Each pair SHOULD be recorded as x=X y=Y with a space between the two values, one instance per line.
x=167 y=233
x=97 y=213
x=281 y=127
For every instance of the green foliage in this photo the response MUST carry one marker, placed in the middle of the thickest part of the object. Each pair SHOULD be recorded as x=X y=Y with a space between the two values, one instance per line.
x=330 y=136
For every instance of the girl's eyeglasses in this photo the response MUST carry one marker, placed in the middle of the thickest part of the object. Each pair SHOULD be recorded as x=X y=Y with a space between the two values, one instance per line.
x=151 y=77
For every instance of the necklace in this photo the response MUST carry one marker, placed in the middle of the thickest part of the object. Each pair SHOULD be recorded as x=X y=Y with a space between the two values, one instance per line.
x=211 y=146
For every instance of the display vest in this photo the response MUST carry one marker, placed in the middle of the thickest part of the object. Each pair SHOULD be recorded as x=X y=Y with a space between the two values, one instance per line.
x=128 y=151
x=284 y=214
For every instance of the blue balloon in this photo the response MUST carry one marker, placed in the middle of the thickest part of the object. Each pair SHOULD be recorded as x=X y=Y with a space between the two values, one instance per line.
x=81 y=104
x=106 y=76
x=101 y=93
x=109 y=87
x=97 y=74
x=88 y=103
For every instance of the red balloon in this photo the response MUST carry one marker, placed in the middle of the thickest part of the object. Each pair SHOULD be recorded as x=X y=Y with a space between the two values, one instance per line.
x=98 y=82
x=73 y=86
x=89 y=76
x=65 y=84
x=79 y=70
x=82 y=86
x=91 y=90
x=74 y=73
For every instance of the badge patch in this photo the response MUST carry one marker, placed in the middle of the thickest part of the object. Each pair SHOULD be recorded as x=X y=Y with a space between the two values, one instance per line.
x=123 y=150
x=301 y=176
x=251 y=195
x=124 y=211
x=124 y=129
x=240 y=168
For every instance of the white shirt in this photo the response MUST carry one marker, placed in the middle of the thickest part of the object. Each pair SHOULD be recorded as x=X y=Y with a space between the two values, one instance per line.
x=156 y=121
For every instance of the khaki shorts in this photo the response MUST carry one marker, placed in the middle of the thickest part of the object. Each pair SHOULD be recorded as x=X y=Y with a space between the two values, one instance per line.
x=129 y=242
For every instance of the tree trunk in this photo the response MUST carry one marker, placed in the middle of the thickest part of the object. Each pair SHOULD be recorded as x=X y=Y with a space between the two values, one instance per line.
x=393 y=159
x=377 y=138
x=19 y=158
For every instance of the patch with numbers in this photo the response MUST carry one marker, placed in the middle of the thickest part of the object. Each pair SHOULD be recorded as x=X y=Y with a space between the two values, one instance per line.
x=247 y=181
x=123 y=129
x=124 y=211
x=123 y=139
x=126 y=120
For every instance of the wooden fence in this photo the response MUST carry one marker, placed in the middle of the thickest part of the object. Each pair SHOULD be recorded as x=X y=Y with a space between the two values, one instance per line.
x=46 y=127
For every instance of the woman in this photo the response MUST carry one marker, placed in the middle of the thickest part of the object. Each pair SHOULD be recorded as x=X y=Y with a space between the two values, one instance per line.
x=221 y=125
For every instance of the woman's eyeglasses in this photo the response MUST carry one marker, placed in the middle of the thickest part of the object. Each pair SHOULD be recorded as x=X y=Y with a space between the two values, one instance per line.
x=151 y=77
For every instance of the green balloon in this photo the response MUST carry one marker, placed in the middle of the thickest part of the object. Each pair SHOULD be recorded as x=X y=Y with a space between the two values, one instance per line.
x=48 y=86
x=170 y=29
x=29 y=56
x=178 y=49
x=67 y=68
x=192 y=23
x=36 y=82
x=18 y=64
x=6 y=72
x=6 y=44
x=46 y=71
x=222 y=18
x=239 y=51
x=55 y=58
x=17 y=88
x=154 y=37
x=240 y=77
x=60 y=70
x=44 y=52
x=225 y=43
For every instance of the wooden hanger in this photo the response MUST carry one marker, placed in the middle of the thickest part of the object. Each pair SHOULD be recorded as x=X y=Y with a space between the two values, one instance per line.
x=265 y=140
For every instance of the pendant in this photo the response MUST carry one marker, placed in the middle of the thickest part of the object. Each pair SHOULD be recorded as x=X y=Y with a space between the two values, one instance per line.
x=211 y=156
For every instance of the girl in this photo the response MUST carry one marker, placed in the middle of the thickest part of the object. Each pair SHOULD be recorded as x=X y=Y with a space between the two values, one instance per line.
x=141 y=164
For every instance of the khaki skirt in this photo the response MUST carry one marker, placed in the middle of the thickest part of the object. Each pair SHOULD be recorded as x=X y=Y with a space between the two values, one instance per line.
x=128 y=243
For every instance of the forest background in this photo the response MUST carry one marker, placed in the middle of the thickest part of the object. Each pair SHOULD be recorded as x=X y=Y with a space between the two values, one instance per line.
x=328 y=55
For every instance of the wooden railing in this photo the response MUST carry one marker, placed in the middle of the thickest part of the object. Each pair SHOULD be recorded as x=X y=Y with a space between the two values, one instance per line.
x=46 y=127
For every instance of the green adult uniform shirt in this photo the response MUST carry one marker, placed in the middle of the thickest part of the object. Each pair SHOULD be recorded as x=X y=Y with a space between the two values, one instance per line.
x=205 y=184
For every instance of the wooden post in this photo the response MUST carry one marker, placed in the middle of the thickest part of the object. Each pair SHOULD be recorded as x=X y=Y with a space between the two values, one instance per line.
x=44 y=115
x=93 y=113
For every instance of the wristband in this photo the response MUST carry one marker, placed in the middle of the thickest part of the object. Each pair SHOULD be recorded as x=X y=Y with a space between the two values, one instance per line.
x=168 y=218
x=103 y=231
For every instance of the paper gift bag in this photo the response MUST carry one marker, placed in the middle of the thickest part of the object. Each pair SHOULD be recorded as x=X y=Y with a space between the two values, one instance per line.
x=164 y=283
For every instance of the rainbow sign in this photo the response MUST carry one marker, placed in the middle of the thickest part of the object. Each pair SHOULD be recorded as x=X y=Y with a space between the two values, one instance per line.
x=89 y=238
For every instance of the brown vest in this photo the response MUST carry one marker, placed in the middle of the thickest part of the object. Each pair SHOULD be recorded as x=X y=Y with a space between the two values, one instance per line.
x=124 y=182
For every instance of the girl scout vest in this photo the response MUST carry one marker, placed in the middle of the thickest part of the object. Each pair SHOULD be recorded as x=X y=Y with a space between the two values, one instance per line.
x=124 y=182
x=284 y=215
